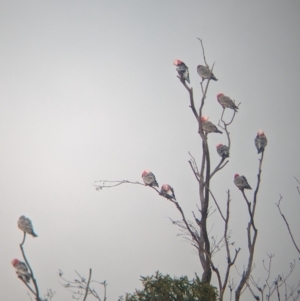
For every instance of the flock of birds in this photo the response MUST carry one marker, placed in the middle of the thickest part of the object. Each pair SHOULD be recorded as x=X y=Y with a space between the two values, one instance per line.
x=208 y=127
x=149 y=179
x=25 y=225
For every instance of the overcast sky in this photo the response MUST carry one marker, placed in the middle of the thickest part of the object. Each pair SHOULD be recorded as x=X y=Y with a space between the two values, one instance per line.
x=88 y=91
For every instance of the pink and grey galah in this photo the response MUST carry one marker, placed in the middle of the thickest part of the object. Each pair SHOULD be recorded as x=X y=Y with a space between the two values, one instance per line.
x=241 y=182
x=260 y=141
x=208 y=126
x=168 y=192
x=182 y=70
x=227 y=102
x=149 y=178
x=21 y=270
x=205 y=73
x=25 y=225
x=223 y=150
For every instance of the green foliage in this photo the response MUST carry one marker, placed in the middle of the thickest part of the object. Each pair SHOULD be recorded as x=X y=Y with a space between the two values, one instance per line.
x=160 y=287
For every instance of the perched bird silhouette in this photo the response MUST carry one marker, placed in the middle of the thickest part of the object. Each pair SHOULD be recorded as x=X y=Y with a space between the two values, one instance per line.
x=205 y=73
x=241 y=182
x=21 y=270
x=227 y=102
x=25 y=225
x=182 y=70
x=222 y=150
x=168 y=192
x=149 y=178
x=208 y=126
x=260 y=141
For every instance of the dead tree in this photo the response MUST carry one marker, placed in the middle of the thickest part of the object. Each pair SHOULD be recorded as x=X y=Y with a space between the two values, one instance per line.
x=197 y=231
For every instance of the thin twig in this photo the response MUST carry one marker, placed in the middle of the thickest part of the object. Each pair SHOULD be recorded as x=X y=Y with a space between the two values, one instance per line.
x=203 y=53
x=102 y=183
x=287 y=224
x=216 y=203
x=87 y=286
x=194 y=167
x=219 y=167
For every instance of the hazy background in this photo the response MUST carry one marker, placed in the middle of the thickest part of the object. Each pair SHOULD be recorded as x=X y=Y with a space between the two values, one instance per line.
x=88 y=92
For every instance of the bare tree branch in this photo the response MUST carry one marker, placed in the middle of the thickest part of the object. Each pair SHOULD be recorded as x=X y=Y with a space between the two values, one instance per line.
x=36 y=292
x=298 y=183
x=251 y=239
x=79 y=287
x=194 y=167
x=102 y=183
x=287 y=224
x=192 y=103
x=268 y=289
x=203 y=53
x=87 y=286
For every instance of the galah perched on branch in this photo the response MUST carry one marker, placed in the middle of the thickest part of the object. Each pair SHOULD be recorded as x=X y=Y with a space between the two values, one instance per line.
x=260 y=141
x=182 y=70
x=227 y=102
x=241 y=182
x=25 y=225
x=208 y=126
x=167 y=191
x=21 y=270
x=149 y=178
x=222 y=150
x=205 y=73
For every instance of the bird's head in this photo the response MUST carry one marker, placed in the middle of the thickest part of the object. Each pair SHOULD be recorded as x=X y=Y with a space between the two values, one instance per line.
x=219 y=95
x=165 y=187
x=15 y=261
x=236 y=175
x=145 y=172
x=260 y=133
x=204 y=118
x=219 y=145
x=177 y=62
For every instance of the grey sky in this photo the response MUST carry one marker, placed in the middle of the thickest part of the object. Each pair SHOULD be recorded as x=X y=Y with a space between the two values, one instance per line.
x=88 y=92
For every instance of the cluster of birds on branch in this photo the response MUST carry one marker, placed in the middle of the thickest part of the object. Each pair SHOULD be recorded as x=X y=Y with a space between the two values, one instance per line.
x=208 y=127
x=166 y=190
x=260 y=142
x=24 y=225
x=205 y=73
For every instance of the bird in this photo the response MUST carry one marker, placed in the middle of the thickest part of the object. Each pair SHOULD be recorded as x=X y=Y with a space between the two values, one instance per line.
x=168 y=192
x=208 y=126
x=21 y=270
x=25 y=225
x=241 y=182
x=260 y=141
x=182 y=70
x=149 y=178
x=226 y=102
x=205 y=73
x=222 y=150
